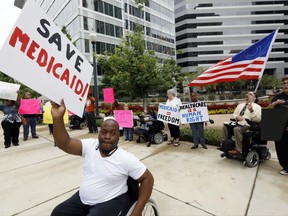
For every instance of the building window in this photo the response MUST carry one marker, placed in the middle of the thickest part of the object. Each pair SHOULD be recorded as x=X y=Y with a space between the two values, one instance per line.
x=85 y=23
x=148 y=18
x=118 y=12
x=109 y=29
x=118 y=31
x=98 y=6
x=126 y=8
x=108 y=9
x=126 y=24
x=87 y=45
x=100 y=28
x=84 y=3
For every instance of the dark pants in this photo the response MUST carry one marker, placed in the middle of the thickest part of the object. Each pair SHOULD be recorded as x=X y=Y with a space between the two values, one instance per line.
x=50 y=126
x=11 y=132
x=128 y=133
x=282 y=151
x=198 y=133
x=31 y=123
x=91 y=122
x=174 y=131
x=74 y=207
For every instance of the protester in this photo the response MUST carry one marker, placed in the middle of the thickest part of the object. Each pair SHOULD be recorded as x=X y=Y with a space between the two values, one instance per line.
x=31 y=122
x=104 y=189
x=11 y=122
x=197 y=128
x=282 y=145
x=90 y=113
x=247 y=110
x=173 y=100
x=128 y=131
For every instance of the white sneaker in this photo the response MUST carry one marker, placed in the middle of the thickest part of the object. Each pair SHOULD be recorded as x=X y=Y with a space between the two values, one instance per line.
x=284 y=172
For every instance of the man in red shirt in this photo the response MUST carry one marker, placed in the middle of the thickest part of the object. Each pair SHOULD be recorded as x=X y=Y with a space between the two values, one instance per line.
x=90 y=113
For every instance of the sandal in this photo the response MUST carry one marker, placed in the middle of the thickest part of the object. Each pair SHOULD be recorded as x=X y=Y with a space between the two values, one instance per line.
x=171 y=142
x=177 y=143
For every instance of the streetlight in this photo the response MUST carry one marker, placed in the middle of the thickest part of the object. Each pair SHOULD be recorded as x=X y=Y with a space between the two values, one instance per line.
x=93 y=39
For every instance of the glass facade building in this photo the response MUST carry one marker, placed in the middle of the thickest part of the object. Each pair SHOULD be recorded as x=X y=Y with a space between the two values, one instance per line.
x=208 y=31
x=113 y=19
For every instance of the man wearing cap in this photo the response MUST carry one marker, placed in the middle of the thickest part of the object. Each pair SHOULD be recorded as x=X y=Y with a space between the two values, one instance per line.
x=90 y=113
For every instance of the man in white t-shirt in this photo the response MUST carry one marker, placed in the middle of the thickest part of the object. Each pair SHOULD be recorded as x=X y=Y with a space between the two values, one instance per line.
x=106 y=168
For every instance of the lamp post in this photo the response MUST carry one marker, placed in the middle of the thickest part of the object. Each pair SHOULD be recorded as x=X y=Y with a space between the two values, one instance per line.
x=93 y=39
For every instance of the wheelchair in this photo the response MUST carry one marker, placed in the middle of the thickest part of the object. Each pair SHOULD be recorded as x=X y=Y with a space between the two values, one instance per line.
x=150 y=208
x=254 y=149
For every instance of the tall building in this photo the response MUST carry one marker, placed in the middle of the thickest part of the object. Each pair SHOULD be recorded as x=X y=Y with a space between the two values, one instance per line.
x=113 y=19
x=208 y=31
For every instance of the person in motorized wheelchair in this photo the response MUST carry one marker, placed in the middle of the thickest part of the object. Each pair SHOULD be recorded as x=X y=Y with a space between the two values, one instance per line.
x=106 y=169
x=150 y=129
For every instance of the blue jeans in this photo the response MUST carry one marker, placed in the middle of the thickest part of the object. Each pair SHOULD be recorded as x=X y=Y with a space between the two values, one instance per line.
x=31 y=122
x=128 y=133
x=198 y=133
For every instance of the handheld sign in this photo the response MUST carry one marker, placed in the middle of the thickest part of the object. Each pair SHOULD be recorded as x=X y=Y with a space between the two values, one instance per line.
x=8 y=91
x=46 y=60
x=124 y=118
x=30 y=106
x=108 y=95
x=168 y=114
x=194 y=112
x=47 y=117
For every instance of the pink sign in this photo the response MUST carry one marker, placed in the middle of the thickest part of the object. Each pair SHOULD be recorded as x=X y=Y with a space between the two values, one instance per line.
x=108 y=95
x=30 y=106
x=124 y=118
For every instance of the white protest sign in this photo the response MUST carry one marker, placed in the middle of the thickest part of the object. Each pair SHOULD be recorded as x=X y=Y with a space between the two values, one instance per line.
x=8 y=91
x=194 y=112
x=168 y=114
x=39 y=55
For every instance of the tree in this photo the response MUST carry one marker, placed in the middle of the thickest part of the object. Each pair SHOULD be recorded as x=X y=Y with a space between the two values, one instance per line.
x=136 y=70
x=269 y=82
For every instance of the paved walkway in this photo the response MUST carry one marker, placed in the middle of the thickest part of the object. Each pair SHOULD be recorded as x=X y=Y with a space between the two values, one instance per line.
x=35 y=176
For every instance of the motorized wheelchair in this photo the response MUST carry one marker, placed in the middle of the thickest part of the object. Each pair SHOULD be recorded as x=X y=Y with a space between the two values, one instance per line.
x=254 y=149
x=150 y=208
x=151 y=130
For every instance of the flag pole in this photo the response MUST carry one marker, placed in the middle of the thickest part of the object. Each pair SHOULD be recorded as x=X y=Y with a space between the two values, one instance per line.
x=268 y=53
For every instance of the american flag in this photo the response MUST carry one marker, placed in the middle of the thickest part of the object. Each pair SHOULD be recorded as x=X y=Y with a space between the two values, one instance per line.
x=248 y=64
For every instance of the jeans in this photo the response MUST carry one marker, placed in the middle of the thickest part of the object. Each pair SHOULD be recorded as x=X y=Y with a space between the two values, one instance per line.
x=31 y=122
x=91 y=122
x=74 y=207
x=198 y=133
x=128 y=133
x=11 y=132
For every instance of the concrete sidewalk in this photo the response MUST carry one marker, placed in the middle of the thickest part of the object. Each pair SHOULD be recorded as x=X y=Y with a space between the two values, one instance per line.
x=35 y=177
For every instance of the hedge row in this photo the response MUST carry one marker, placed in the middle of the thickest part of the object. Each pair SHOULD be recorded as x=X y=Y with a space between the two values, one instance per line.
x=213 y=136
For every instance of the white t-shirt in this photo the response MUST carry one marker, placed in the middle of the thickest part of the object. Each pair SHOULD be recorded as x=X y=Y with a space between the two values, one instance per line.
x=176 y=102
x=105 y=178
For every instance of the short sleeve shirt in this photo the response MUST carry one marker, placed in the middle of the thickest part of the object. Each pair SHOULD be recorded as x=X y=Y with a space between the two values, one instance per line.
x=105 y=178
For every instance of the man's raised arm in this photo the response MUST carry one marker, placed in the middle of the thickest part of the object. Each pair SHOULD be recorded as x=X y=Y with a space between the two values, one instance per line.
x=61 y=136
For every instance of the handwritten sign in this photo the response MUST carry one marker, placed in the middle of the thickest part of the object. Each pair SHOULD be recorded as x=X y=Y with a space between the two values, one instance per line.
x=194 y=112
x=46 y=60
x=108 y=95
x=168 y=114
x=124 y=118
x=30 y=106
x=8 y=91
x=47 y=117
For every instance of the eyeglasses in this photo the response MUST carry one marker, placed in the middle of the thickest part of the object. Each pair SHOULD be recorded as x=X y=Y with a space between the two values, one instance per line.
x=285 y=83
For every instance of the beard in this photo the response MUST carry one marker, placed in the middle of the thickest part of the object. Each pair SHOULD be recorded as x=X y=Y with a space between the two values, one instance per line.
x=107 y=151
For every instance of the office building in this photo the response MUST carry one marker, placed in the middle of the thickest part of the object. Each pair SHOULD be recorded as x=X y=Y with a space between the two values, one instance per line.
x=208 y=31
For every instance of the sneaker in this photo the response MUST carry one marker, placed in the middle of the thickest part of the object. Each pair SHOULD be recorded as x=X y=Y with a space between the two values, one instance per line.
x=16 y=144
x=284 y=172
x=35 y=137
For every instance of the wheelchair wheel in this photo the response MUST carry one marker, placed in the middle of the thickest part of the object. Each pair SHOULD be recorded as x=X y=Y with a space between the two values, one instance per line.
x=252 y=159
x=82 y=125
x=158 y=138
x=150 y=209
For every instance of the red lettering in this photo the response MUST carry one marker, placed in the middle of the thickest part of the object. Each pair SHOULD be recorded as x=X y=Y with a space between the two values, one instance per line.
x=55 y=67
x=85 y=90
x=65 y=76
x=42 y=58
x=50 y=64
x=79 y=87
x=32 y=49
x=73 y=81
x=18 y=35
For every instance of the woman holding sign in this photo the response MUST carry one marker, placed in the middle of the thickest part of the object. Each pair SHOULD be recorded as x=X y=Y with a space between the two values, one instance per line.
x=173 y=100
x=11 y=122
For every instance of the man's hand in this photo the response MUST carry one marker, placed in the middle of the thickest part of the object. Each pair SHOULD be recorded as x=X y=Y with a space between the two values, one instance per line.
x=239 y=118
x=279 y=102
x=58 y=111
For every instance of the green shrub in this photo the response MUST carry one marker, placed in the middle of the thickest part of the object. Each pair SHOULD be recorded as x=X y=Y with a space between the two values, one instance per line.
x=211 y=97
x=231 y=97
x=213 y=136
x=153 y=100
x=162 y=99
x=99 y=122
x=222 y=97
